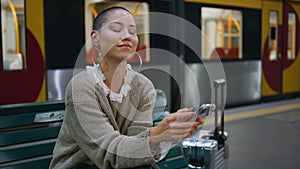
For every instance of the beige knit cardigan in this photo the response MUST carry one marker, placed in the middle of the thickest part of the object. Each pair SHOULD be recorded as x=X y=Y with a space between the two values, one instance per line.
x=99 y=131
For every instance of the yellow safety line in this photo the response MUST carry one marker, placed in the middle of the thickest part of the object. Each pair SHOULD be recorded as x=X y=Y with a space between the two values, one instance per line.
x=256 y=113
x=261 y=112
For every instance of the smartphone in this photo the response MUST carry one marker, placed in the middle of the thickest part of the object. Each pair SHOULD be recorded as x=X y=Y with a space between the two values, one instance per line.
x=204 y=109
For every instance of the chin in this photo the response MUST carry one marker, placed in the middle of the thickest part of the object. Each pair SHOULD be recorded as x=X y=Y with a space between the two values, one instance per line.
x=126 y=56
x=122 y=58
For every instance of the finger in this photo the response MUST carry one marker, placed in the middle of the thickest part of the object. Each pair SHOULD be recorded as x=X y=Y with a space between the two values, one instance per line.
x=181 y=125
x=199 y=121
x=185 y=115
x=196 y=124
x=209 y=113
x=185 y=110
x=173 y=132
x=178 y=137
x=194 y=128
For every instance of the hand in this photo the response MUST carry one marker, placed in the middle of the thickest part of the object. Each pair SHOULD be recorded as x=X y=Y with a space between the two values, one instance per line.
x=175 y=126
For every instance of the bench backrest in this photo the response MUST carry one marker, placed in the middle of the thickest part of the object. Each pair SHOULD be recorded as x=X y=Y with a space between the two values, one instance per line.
x=28 y=133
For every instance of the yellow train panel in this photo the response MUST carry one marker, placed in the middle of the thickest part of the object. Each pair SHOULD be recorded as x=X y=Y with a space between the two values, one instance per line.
x=266 y=89
x=291 y=75
x=35 y=24
x=238 y=3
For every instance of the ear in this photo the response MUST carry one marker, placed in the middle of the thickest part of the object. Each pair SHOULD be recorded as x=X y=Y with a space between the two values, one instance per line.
x=95 y=37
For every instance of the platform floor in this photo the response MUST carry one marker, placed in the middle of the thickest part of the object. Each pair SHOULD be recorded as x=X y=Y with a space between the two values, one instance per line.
x=264 y=136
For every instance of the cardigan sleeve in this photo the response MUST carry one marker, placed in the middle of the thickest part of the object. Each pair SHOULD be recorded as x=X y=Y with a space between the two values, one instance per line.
x=93 y=131
x=142 y=121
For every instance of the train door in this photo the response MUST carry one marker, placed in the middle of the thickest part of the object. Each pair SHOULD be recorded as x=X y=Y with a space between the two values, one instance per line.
x=291 y=45
x=272 y=54
x=22 y=70
x=280 y=54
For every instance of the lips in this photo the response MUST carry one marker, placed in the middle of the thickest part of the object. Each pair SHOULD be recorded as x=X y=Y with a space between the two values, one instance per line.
x=125 y=46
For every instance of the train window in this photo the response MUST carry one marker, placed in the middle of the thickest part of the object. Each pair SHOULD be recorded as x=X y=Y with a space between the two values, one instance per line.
x=291 y=50
x=223 y=33
x=138 y=9
x=13 y=34
x=273 y=32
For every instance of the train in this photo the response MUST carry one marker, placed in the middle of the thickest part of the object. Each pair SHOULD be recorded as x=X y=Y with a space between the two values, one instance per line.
x=183 y=46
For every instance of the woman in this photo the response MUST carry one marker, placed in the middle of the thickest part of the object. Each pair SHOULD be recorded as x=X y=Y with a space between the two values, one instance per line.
x=108 y=115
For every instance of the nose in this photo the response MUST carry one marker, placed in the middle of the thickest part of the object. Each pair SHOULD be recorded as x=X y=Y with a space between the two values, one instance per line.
x=126 y=36
x=126 y=39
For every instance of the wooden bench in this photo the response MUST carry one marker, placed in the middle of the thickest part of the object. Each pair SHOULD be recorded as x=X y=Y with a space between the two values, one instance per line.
x=28 y=133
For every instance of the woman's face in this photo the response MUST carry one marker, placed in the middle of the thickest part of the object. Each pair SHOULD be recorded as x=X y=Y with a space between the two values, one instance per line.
x=118 y=38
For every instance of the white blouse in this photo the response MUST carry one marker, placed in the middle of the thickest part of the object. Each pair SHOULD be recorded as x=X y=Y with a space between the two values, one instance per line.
x=99 y=77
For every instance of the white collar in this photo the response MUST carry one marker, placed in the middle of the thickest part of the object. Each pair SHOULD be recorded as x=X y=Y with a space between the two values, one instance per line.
x=99 y=77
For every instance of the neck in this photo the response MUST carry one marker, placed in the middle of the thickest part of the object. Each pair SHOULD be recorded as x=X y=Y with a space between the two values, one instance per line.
x=114 y=72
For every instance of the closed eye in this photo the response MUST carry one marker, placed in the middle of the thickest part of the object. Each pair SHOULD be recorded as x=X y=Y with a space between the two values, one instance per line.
x=132 y=30
x=116 y=27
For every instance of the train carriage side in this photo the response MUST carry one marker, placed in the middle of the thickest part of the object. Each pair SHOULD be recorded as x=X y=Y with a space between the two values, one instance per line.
x=231 y=33
x=256 y=40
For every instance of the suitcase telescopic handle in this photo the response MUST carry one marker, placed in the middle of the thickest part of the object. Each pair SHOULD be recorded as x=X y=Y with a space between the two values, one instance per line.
x=219 y=83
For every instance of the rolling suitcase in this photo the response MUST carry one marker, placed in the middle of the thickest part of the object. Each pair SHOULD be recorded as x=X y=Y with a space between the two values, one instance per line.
x=211 y=151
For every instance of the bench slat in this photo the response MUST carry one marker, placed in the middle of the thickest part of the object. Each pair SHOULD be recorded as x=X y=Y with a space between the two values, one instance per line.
x=27 y=119
x=27 y=151
x=28 y=135
x=174 y=159
x=34 y=163
x=174 y=152
x=31 y=107
x=16 y=120
x=174 y=164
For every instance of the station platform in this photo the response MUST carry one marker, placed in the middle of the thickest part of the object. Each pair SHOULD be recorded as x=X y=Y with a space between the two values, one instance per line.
x=264 y=136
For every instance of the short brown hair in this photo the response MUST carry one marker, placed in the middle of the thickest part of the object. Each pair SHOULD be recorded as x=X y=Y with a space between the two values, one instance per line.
x=102 y=16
